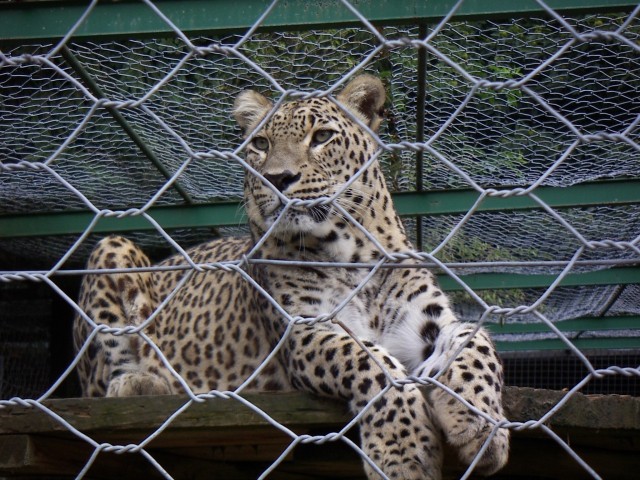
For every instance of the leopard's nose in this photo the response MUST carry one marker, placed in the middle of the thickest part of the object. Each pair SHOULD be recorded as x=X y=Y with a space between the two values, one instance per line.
x=282 y=180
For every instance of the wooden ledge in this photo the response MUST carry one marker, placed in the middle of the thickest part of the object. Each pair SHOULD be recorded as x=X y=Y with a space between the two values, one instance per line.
x=222 y=438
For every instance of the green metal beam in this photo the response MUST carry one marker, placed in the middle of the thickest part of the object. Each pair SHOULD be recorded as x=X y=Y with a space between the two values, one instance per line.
x=507 y=281
x=574 y=325
x=581 y=343
x=407 y=204
x=460 y=201
x=53 y=19
x=590 y=324
x=73 y=223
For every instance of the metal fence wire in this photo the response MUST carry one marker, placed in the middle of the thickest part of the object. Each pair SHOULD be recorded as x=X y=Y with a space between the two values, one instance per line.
x=480 y=111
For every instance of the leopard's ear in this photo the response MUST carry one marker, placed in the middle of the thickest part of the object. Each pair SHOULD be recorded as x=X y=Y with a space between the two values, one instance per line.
x=365 y=97
x=249 y=108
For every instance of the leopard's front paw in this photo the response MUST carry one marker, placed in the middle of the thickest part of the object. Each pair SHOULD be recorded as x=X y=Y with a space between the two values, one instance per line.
x=402 y=458
x=399 y=437
x=467 y=432
x=138 y=383
x=495 y=456
x=409 y=469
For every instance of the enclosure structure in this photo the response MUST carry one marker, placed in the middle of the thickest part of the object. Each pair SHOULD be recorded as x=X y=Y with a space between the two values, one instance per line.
x=511 y=145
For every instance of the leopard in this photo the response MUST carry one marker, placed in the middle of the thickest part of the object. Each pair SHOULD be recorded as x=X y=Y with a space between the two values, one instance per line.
x=325 y=295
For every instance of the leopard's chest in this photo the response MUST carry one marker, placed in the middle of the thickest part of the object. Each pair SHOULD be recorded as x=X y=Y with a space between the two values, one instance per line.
x=333 y=298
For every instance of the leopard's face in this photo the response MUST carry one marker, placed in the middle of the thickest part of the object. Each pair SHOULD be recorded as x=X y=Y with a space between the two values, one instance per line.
x=308 y=151
x=310 y=154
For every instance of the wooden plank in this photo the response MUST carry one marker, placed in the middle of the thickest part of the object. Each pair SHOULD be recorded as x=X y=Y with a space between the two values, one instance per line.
x=226 y=437
x=295 y=410
x=597 y=412
x=142 y=414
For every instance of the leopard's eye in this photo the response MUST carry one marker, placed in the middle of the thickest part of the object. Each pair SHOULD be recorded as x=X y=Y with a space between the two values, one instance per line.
x=320 y=137
x=260 y=143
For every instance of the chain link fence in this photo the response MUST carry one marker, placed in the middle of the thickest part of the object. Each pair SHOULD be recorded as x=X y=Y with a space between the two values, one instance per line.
x=487 y=120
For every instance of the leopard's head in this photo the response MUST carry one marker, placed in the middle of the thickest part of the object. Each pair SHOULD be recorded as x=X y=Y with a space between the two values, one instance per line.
x=307 y=150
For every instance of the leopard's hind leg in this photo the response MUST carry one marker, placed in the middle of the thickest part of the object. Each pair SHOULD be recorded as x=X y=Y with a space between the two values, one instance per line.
x=111 y=365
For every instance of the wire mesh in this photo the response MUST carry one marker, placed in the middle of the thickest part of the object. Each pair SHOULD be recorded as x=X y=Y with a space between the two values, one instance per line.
x=510 y=106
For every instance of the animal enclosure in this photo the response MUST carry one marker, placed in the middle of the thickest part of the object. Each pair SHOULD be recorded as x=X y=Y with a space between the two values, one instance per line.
x=510 y=142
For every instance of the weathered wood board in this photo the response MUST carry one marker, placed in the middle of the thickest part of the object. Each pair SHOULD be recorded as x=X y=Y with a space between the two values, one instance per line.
x=222 y=438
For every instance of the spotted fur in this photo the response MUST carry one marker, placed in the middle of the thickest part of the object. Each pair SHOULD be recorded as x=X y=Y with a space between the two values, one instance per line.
x=217 y=328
